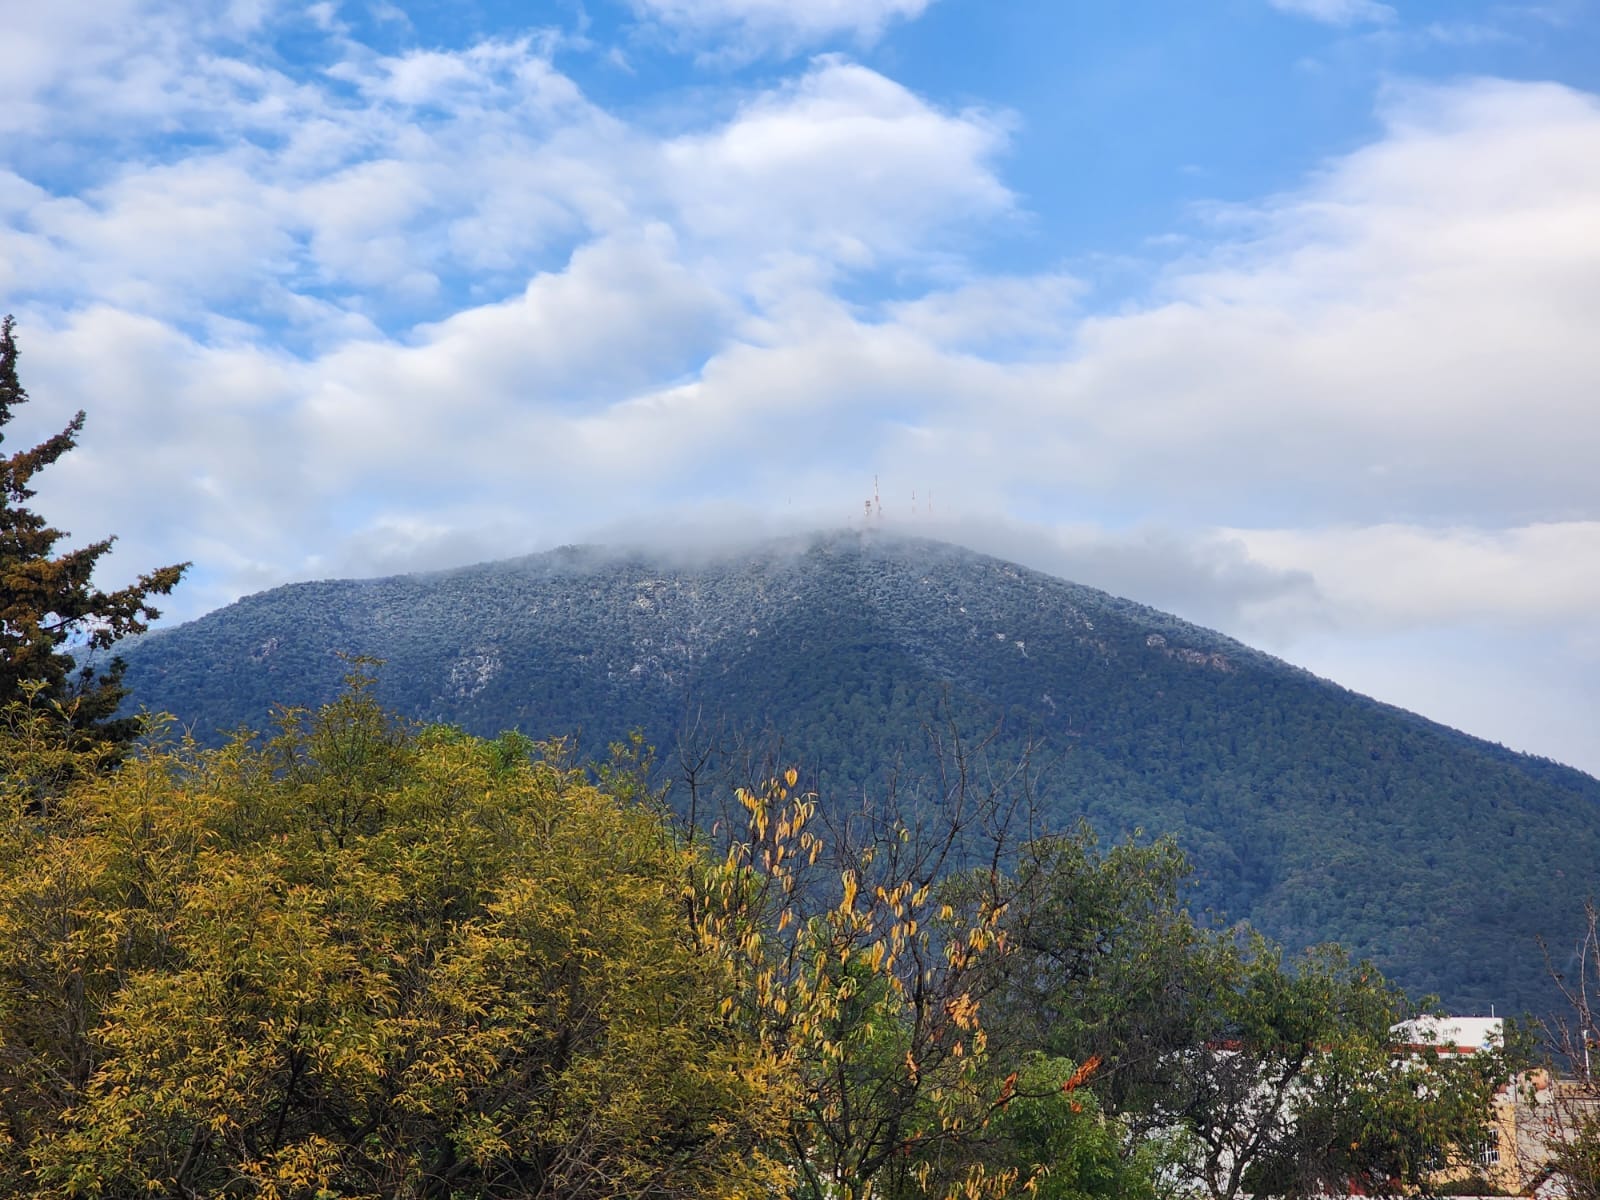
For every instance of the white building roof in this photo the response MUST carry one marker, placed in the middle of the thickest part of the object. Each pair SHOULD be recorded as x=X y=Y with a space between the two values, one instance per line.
x=1458 y=1033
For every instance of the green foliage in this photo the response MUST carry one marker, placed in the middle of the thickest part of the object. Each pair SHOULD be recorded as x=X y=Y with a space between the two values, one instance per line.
x=48 y=603
x=40 y=753
x=1110 y=965
x=363 y=959
x=1055 y=1122
x=1275 y=1077
x=1295 y=1086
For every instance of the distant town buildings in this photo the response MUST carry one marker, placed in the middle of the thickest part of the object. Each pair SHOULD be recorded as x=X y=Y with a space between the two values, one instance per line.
x=1533 y=1117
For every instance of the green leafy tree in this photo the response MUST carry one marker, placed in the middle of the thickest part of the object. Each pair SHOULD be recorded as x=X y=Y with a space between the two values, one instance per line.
x=1296 y=1087
x=1383 y=1119
x=1109 y=965
x=48 y=601
x=364 y=960
x=1261 y=1075
x=1051 y=1119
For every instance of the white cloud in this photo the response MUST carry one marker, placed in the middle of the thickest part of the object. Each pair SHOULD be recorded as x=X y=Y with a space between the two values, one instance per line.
x=489 y=396
x=995 y=315
x=341 y=198
x=1338 y=12
x=843 y=163
x=479 y=167
x=783 y=26
x=125 y=67
x=1394 y=577
x=1406 y=337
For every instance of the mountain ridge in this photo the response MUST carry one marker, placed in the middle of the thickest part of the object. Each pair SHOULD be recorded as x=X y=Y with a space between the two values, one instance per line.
x=1307 y=808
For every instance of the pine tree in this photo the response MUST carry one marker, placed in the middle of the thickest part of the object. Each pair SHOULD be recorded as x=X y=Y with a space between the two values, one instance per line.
x=48 y=602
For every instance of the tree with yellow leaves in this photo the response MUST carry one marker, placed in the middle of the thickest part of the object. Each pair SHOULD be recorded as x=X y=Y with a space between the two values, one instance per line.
x=363 y=960
x=866 y=981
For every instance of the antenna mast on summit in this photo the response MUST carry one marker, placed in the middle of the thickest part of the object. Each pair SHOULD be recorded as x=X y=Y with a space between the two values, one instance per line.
x=873 y=507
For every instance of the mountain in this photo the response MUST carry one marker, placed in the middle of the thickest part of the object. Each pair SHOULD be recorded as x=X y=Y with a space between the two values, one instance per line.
x=1311 y=811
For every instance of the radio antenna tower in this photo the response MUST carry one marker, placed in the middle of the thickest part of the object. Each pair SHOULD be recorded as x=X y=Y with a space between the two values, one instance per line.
x=873 y=509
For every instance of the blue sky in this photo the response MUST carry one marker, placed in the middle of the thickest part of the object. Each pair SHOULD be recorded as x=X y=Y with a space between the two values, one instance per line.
x=1275 y=313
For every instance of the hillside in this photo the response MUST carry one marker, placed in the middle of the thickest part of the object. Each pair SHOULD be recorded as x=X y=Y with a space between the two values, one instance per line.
x=1313 y=812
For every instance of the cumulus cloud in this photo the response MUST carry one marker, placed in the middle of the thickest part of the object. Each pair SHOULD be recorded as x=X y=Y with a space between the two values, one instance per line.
x=843 y=163
x=478 y=168
x=777 y=26
x=123 y=67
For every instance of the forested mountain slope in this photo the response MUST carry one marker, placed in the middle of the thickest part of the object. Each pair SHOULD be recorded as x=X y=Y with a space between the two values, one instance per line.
x=1313 y=812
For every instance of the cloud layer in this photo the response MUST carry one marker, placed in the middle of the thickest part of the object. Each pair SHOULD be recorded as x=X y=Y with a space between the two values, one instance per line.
x=1339 y=12
x=764 y=26
x=410 y=309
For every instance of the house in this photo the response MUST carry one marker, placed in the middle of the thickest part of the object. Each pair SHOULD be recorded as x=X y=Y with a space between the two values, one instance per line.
x=1533 y=1114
